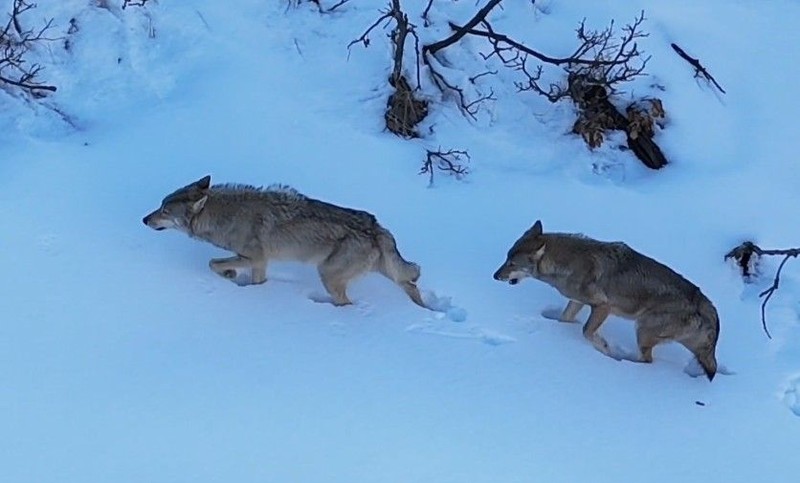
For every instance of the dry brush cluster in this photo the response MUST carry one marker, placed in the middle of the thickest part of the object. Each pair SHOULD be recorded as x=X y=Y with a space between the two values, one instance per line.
x=591 y=75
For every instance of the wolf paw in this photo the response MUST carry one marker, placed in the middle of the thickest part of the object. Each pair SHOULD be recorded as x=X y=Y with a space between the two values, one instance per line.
x=323 y=298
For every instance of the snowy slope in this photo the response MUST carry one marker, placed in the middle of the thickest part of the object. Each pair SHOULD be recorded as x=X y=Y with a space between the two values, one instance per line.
x=125 y=359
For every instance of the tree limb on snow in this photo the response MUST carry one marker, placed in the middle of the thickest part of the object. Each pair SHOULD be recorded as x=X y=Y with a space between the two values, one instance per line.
x=699 y=70
x=743 y=254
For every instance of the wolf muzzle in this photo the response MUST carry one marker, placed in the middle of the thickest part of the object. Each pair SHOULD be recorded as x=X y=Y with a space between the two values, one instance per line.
x=500 y=277
x=146 y=221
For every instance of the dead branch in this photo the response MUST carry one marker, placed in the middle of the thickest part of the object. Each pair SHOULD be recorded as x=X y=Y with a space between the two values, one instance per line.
x=16 y=42
x=430 y=60
x=403 y=111
x=743 y=255
x=598 y=65
x=321 y=8
x=449 y=161
x=426 y=21
x=364 y=38
x=460 y=32
x=473 y=78
x=699 y=70
x=133 y=3
x=600 y=57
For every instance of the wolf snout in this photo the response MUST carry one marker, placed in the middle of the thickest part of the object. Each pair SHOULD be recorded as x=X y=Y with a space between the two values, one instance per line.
x=504 y=275
x=501 y=275
x=498 y=276
x=146 y=221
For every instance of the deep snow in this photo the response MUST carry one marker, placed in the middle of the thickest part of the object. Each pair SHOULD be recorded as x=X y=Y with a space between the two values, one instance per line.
x=125 y=359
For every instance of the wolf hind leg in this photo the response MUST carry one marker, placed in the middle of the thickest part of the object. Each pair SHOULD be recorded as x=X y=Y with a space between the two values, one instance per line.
x=337 y=289
x=347 y=262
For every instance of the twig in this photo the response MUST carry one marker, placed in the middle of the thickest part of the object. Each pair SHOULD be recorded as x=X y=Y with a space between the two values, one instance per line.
x=364 y=39
x=478 y=76
x=460 y=32
x=341 y=2
x=133 y=3
x=426 y=21
x=447 y=161
x=699 y=70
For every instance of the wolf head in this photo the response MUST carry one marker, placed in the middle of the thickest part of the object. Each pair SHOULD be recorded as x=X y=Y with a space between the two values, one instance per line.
x=178 y=208
x=523 y=257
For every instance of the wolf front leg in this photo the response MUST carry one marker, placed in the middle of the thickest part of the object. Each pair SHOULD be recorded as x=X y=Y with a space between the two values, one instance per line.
x=647 y=338
x=596 y=318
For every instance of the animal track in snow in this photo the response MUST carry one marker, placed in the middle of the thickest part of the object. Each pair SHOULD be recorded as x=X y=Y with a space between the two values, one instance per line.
x=49 y=244
x=791 y=395
x=448 y=320
x=446 y=328
x=365 y=309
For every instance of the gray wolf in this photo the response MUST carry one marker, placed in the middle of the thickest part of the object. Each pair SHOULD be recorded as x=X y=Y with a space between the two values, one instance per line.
x=278 y=223
x=612 y=278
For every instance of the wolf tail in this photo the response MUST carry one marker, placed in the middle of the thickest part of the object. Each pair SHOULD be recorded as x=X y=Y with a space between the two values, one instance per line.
x=393 y=266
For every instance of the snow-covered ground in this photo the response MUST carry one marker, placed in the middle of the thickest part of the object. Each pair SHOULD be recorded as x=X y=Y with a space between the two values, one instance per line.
x=124 y=359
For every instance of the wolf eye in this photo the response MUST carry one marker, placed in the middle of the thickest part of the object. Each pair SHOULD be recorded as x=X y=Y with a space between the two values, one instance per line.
x=165 y=210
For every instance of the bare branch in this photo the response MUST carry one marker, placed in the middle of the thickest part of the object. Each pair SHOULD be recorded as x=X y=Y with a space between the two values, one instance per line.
x=364 y=38
x=429 y=51
x=425 y=12
x=449 y=161
x=460 y=32
x=133 y=3
x=15 y=43
x=699 y=70
x=478 y=76
x=337 y=5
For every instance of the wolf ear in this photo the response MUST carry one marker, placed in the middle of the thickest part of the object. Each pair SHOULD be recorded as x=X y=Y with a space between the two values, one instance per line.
x=202 y=183
x=535 y=230
x=199 y=204
x=537 y=255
